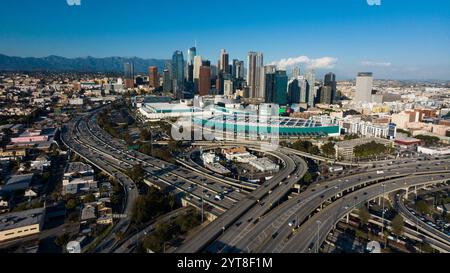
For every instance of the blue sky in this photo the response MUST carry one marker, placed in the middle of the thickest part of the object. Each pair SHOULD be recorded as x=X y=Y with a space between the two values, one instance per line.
x=401 y=39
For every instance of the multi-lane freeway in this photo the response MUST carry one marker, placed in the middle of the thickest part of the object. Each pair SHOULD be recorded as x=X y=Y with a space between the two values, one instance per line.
x=311 y=234
x=414 y=220
x=262 y=220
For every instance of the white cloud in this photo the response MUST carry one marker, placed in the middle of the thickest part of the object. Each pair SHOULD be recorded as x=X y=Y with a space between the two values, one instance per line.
x=376 y=64
x=320 y=63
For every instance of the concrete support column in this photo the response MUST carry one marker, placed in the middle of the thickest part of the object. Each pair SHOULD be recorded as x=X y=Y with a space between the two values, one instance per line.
x=347 y=220
x=407 y=193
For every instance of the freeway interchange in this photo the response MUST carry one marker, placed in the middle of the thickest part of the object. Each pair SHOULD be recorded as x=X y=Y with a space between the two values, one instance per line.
x=266 y=220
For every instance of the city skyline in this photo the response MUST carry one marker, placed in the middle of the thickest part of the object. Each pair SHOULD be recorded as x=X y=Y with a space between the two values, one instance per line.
x=393 y=40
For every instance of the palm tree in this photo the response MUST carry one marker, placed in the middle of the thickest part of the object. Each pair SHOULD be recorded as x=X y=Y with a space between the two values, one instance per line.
x=172 y=201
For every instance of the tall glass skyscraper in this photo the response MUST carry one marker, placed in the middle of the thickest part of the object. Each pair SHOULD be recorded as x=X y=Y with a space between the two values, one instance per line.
x=310 y=77
x=276 y=83
x=129 y=74
x=330 y=80
x=281 y=82
x=294 y=91
x=192 y=52
x=178 y=73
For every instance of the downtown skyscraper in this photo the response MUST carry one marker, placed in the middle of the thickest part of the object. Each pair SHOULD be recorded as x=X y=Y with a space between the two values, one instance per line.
x=178 y=73
x=364 y=85
x=310 y=77
x=255 y=70
x=153 y=77
x=330 y=81
x=224 y=62
x=238 y=69
x=129 y=74
x=192 y=52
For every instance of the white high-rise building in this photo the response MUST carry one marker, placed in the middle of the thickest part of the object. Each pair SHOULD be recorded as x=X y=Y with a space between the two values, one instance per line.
x=197 y=65
x=364 y=85
x=296 y=72
x=228 y=88
x=254 y=78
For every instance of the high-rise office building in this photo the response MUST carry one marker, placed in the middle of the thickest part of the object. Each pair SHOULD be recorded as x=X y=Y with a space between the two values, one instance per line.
x=204 y=80
x=224 y=63
x=281 y=82
x=238 y=69
x=304 y=89
x=310 y=77
x=197 y=64
x=330 y=80
x=325 y=95
x=364 y=86
x=228 y=87
x=276 y=87
x=219 y=83
x=167 y=81
x=214 y=71
x=153 y=79
x=294 y=91
x=255 y=65
x=264 y=71
x=296 y=72
x=129 y=74
x=196 y=71
x=192 y=52
x=178 y=73
x=269 y=90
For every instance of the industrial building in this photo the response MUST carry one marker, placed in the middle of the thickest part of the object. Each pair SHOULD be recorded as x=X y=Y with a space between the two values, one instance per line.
x=21 y=224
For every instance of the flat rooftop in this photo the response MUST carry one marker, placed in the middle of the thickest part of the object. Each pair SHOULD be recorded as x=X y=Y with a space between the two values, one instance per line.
x=361 y=141
x=165 y=107
x=78 y=167
x=21 y=219
x=19 y=178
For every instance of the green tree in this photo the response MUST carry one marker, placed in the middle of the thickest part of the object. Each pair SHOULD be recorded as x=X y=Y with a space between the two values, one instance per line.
x=145 y=135
x=172 y=201
x=146 y=149
x=71 y=204
x=137 y=173
x=328 y=149
x=306 y=146
x=423 y=207
x=128 y=139
x=370 y=149
x=364 y=215
x=62 y=240
x=89 y=198
x=429 y=140
x=398 y=225
x=426 y=248
x=307 y=178
x=119 y=236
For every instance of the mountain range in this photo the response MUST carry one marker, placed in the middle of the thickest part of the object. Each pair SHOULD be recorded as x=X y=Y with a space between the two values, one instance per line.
x=87 y=64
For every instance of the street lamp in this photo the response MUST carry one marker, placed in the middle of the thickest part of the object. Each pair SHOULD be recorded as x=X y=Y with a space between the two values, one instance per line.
x=318 y=235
